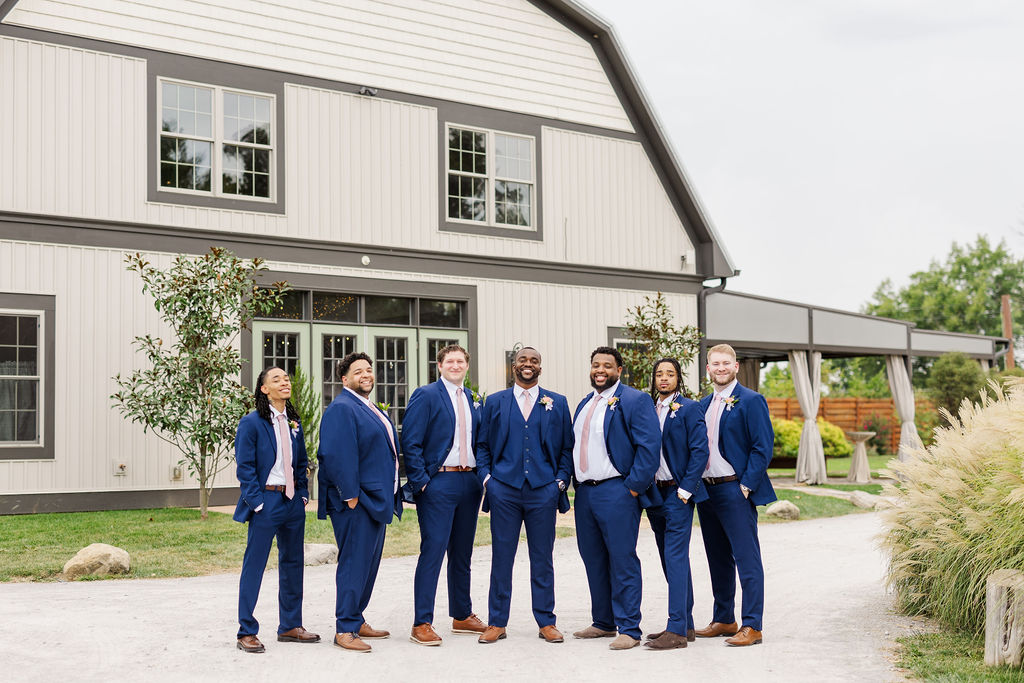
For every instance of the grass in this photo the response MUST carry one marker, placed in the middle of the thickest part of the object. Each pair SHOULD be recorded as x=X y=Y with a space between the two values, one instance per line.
x=811 y=506
x=170 y=542
x=837 y=467
x=949 y=657
x=875 y=489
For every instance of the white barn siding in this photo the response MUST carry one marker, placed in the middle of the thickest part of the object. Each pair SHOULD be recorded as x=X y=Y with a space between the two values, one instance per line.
x=506 y=54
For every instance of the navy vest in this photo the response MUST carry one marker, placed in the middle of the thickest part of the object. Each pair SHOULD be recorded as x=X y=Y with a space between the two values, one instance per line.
x=523 y=459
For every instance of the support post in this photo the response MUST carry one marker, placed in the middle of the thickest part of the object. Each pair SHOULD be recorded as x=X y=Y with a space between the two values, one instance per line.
x=1004 y=618
x=1008 y=330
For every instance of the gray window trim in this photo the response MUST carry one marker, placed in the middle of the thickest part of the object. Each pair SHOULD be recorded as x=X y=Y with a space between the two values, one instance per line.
x=161 y=65
x=47 y=303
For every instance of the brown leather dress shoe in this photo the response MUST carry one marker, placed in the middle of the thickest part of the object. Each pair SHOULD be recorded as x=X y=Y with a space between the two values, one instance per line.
x=623 y=642
x=715 y=629
x=367 y=632
x=298 y=635
x=746 y=636
x=424 y=634
x=551 y=634
x=491 y=634
x=691 y=635
x=250 y=644
x=666 y=641
x=470 y=624
x=594 y=632
x=351 y=641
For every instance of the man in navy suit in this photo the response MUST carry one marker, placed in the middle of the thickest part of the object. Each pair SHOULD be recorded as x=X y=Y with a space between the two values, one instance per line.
x=270 y=456
x=684 y=454
x=740 y=441
x=359 y=492
x=524 y=460
x=438 y=433
x=615 y=456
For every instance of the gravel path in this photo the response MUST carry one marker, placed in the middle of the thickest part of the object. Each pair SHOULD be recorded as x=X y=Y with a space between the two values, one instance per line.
x=827 y=619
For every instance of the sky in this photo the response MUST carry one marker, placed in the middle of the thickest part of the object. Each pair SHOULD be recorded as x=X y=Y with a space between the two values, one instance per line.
x=838 y=143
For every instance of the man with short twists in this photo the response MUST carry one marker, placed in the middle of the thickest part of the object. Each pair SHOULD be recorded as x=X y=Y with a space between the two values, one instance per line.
x=740 y=441
x=615 y=456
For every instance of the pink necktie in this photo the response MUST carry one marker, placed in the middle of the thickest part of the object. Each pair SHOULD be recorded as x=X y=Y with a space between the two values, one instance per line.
x=585 y=435
x=286 y=455
x=716 y=404
x=661 y=406
x=526 y=406
x=460 y=400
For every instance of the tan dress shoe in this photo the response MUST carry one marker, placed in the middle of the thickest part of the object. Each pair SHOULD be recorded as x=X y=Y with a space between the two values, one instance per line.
x=298 y=635
x=623 y=642
x=715 y=629
x=351 y=641
x=367 y=632
x=250 y=644
x=691 y=635
x=491 y=634
x=666 y=641
x=593 y=632
x=746 y=636
x=551 y=634
x=424 y=634
x=470 y=624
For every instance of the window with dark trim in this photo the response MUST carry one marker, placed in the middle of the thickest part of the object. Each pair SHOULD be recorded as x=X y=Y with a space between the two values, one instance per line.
x=26 y=376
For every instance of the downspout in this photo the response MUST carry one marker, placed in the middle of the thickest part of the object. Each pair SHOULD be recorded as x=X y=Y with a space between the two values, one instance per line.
x=702 y=322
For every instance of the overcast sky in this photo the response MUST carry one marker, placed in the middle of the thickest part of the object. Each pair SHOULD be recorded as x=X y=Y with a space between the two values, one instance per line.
x=838 y=143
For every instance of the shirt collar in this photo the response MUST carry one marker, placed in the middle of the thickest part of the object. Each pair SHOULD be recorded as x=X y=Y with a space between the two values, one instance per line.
x=727 y=391
x=449 y=386
x=274 y=412
x=518 y=391
x=609 y=392
x=360 y=397
x=668 y=401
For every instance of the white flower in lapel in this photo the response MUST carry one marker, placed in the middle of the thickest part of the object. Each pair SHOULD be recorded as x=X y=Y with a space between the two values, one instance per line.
x=476 y=400
x=547 y=402
x=730 y=402
x=613 y=402
x=295 y=427
x=674 y=406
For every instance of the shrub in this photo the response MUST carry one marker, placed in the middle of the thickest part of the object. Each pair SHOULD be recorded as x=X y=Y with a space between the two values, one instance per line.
x=787 y=438
x=834 y=440
x=882 y=427
x=953 y=378
x=959 y=514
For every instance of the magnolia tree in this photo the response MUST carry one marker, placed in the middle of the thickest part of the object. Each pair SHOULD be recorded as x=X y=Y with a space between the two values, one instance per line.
x=653 y=334
x=189 y=393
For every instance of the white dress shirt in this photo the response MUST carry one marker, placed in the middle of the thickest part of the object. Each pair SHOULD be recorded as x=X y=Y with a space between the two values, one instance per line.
x=664 y=473
x=457 y=394
x=276 y=477
x=599 y=464
x=718 y=466
x=391 y=436
x=518 y=391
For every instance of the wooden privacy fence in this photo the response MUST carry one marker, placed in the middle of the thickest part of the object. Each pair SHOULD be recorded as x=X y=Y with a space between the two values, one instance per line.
x=851 y=414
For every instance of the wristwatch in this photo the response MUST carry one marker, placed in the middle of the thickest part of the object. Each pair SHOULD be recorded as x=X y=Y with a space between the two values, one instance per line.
x=561 y=485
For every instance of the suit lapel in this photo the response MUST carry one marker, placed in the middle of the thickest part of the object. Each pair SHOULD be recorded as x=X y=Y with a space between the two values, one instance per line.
x=375 y=415
x=609 y=412
x=669 y=409
x=537 y=405
x=506 y=418
x=446 y=401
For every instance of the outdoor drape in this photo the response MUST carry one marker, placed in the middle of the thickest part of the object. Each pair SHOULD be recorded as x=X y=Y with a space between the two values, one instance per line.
x=810 y=459
x=903 y=398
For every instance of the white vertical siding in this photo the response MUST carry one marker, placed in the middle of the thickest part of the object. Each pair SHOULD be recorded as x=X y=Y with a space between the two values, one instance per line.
x=506 y=54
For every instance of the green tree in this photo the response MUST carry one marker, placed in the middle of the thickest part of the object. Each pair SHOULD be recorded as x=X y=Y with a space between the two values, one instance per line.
x=863 y=376
x=953 y=378
x=777 y=382
x=308 y=404
x=189 y=394
x=653 y=334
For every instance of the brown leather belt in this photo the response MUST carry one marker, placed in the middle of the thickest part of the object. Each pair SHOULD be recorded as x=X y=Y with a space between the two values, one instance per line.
x=714 y=481
x=456 y=469
x=595 y=482
x=276 y=487
x=665 y=483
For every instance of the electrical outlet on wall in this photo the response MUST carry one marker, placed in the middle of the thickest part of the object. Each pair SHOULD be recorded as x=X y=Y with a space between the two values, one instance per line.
x=120 y=468
x=176 y=473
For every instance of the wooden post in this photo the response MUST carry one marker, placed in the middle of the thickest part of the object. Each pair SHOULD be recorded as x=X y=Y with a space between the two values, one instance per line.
x=1004 y=618
x=1008 y=330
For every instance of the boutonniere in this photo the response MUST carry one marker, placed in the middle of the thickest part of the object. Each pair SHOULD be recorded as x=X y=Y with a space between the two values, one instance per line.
x=613 y=402
x=673 y=407
x=385 y=407
x=476 y=400
x=730 y=402
x=295 y=427
x=547 y=402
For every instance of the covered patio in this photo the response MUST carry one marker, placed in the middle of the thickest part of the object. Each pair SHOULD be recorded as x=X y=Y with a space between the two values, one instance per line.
x=765 y=330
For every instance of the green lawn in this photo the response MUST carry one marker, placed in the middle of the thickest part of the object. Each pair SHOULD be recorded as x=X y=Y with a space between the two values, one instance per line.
x=837 y=467
x=949 y=657
x=167 y=542
x=875 y=489
x=811 y=506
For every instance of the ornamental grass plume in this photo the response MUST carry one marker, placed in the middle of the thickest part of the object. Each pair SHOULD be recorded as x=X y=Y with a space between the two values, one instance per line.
x=960 y=510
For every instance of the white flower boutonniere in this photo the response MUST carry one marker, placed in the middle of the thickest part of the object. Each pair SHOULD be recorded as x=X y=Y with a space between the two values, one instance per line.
x=673 y=407
x=547 y=402
x=613 y=402
x=477 y=400
x=730 y=402
x=384 y=407
x=294 y=426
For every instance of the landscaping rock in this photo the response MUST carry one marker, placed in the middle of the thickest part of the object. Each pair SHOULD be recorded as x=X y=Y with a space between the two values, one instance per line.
x=98 y=559
x=320 y=553
x=863 y=499
x=783 y=509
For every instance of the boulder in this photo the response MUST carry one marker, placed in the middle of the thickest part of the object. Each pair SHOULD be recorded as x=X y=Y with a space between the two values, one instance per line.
x=320 y=553
x=98 y=559
x=783 y=509
x=863 y=499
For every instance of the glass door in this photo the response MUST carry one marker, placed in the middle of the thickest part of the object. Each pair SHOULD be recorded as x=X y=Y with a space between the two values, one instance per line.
x=394 y=354
x=331 y=344
x=432 y=341
x=280 y=343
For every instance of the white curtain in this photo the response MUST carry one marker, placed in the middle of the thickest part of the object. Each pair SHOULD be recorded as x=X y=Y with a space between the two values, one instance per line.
x=903 y=397
x=810 y=459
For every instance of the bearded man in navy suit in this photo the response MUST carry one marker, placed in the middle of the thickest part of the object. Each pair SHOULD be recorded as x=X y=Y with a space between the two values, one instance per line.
x=270 y=455
x=359 y=492
x=740 y=441
x=439 y=431
x=615 y=456
x=524 y=460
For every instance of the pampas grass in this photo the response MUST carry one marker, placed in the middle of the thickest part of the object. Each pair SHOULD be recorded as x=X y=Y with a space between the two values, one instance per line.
x=960 y=510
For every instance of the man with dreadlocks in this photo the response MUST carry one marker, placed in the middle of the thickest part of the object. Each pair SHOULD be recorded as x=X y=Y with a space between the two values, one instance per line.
x=270 y=454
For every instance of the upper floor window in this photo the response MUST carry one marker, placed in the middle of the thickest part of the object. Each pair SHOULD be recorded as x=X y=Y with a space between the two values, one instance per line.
x=216 y=141
x=491 y=178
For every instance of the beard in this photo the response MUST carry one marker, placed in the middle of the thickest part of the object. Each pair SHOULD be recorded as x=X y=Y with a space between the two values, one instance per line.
x=610 y=381
x=532 y=379
x=359 y=390
x=721 y=383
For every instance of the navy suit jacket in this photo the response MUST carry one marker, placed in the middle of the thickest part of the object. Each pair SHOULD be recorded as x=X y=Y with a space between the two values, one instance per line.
x=506 y=464
x=685 y=442
x=632 y=436
x=255 y=455
x=746 y=439
x=428 y=431
x=356 y=459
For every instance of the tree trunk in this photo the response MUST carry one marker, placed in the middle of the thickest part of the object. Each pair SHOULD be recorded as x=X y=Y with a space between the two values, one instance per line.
x=204 y=485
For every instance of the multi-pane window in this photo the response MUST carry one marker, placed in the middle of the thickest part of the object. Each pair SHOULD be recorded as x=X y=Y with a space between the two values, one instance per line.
x=490 y=177
x=391 y=371
x=281 y=350
x=19 y=379
x=215 y=141
x=433 y=346
x=336 y=347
